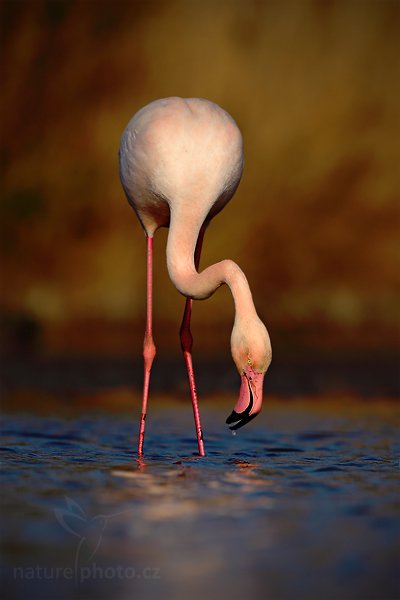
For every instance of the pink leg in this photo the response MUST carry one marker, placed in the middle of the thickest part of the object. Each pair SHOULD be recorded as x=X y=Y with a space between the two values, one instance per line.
x=186 y=343
x=149 y=349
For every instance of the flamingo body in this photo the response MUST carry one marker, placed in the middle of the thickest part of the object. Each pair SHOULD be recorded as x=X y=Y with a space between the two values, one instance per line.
x=182 y=155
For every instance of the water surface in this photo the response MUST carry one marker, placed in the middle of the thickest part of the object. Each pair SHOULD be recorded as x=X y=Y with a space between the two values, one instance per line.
x=301 y=504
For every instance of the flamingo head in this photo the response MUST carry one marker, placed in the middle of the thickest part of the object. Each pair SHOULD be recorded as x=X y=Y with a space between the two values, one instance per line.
x=251 y=351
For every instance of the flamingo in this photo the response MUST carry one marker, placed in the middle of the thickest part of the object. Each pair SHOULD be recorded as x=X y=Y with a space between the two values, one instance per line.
x=180 y=162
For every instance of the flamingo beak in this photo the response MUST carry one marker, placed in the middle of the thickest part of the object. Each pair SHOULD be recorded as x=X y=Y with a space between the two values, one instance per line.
x=250 y=399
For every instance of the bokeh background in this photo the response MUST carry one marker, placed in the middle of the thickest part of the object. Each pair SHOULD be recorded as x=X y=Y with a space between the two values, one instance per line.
x=314 y=87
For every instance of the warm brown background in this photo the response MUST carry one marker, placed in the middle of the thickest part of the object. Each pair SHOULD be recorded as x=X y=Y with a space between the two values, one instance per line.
x=314 y=87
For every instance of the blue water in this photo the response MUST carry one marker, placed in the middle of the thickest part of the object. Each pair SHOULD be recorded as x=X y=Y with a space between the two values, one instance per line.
x=303 y=503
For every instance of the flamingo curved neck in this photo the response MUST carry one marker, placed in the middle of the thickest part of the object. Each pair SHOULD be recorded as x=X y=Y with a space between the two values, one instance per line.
x=181 y=245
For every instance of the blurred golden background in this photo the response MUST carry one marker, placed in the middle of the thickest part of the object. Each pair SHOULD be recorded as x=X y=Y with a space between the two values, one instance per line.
x=314 y=87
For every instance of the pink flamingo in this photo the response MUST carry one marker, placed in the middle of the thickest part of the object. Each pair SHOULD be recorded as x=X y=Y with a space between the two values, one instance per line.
x=181 y=161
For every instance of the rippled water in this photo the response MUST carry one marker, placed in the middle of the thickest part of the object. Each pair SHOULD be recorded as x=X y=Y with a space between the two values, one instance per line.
x=303 y=503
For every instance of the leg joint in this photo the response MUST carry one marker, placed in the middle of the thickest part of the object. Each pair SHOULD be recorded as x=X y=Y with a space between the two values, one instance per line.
x=149 y=350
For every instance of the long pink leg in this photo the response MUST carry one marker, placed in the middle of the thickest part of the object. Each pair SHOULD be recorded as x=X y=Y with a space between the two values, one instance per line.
x=149 y=349
x=186 y=343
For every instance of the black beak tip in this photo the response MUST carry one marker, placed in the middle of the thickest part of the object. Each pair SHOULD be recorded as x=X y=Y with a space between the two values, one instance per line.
x=239 y=420
x=233 y=417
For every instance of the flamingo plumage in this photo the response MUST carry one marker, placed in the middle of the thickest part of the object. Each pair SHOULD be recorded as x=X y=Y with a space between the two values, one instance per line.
x=181 y=160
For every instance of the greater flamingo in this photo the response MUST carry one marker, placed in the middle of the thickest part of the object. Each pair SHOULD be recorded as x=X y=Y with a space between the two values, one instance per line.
x=181 y=160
